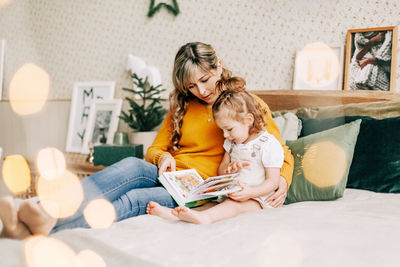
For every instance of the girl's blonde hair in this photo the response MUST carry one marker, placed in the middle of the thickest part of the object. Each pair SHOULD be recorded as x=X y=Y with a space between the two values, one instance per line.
x=190 y=58
x=238 y=103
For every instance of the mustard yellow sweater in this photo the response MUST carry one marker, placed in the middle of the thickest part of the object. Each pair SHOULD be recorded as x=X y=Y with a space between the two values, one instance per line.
x=201 y=142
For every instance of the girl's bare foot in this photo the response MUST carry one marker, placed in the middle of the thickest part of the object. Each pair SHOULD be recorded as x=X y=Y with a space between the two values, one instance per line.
x=153 y=208
x=37 y=220
x=12 y=227
x=193 y=216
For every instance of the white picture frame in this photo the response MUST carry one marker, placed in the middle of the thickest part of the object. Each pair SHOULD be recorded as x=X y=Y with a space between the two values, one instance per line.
x=82 y=96
x=2 y=48
x=102 y=123
x=319 y=67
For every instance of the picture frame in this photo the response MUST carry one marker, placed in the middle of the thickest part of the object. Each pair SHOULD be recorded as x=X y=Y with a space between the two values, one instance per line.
x=102 y=123
x=82 y=96
x=2 y=49
x=319 y=67
x=371 y=59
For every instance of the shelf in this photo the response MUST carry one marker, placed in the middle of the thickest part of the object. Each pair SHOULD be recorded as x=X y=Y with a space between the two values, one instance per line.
x=292 y=99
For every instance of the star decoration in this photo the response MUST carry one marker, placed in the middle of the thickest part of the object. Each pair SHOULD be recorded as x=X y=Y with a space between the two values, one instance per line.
x=174 y=9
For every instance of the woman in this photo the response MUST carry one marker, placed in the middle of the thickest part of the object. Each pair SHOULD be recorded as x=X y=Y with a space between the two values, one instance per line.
x=188 y=138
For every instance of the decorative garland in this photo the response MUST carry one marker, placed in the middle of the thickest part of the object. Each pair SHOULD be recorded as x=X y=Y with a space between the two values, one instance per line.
x=174 y=9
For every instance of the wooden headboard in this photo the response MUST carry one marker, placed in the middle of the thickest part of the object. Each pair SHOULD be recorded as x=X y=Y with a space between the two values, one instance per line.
x=292 y=99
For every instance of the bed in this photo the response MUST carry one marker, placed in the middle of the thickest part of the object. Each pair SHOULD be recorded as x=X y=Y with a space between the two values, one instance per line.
x=357 y=229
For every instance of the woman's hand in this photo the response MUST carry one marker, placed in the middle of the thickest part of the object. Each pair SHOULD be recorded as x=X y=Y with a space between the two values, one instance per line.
x=244 y=194
x=167 y=162
x=278 y=198
x=235 y=166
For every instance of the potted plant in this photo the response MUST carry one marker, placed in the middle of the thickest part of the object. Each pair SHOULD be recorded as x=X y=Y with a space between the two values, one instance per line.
x=146 y=111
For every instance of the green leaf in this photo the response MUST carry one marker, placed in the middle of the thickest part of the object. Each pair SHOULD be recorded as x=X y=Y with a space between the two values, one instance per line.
x=146 y=112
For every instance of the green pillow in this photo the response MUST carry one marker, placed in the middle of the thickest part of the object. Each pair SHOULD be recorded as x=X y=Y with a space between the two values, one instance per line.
x=376 y=160
x=321 y=163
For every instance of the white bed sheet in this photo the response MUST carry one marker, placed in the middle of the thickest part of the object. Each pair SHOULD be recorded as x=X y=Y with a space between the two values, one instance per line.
x=360 y=229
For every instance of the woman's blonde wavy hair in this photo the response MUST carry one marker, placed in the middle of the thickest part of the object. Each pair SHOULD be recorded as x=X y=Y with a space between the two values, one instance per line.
x=238 y=103
x=190 y=58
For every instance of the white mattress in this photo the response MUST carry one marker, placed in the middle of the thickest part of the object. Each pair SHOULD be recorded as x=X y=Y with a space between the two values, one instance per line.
x=360 y=229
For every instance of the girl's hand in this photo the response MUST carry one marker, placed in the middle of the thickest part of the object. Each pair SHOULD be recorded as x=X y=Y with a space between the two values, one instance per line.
x=278 y=198
x=245 y=194
x=235 y=166
x=167 y=162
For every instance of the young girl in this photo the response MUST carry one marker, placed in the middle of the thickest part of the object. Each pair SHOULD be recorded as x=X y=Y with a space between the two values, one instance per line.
x=249 y=148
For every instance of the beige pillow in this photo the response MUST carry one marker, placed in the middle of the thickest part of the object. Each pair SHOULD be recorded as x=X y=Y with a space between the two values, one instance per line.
x=289 y=125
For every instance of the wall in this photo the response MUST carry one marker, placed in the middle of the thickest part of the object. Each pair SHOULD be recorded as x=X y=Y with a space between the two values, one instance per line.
x=89 y=40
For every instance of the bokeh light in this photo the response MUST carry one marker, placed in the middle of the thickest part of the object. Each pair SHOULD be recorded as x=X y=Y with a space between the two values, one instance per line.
x=41 y=251
x=318 y=66
x=280 y=249
x=324 y=159
x=4 y=3
x=16 y=173
x=29 y=89
x=89 y=258
x=50 y=163
x=60 y=197
x=99 y=213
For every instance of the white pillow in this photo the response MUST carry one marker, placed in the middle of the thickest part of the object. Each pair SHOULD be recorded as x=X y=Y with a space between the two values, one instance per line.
x=289 y=125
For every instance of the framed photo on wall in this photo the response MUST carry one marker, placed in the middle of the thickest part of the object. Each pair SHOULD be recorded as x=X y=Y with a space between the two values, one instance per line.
x=371 y=59
x=2 y=47
x=102 y=123
x=318 y=67
x=82 y=96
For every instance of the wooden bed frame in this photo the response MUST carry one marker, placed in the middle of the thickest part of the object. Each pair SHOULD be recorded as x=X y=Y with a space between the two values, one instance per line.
x=292 y=99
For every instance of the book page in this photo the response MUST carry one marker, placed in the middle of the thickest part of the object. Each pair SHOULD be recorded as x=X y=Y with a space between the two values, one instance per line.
x=213 y=181
x=214 y=192
x=221 y=177
x=184 y=181
x=221 y=188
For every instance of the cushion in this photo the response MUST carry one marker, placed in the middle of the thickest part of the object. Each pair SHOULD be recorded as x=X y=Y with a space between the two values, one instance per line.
x=376 y=162
x=289 y=126
x=321 y=163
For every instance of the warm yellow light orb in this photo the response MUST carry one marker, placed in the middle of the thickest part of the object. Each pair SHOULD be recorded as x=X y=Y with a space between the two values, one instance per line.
x=3 y=3
x=29 y=89
x=60 y=197
x=99 y=213
x=89 y=258
x=16 y=173
x=41 y=251
x=50 y=163
x=324 y=164
x=317 y=65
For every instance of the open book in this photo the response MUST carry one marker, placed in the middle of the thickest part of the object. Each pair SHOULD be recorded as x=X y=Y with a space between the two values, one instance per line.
x=190 y=190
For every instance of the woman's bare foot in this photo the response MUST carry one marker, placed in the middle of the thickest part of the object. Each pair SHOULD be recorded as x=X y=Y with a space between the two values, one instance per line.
x=37 y=220
x=192 y=216
x=153 y=208
x=12 y=227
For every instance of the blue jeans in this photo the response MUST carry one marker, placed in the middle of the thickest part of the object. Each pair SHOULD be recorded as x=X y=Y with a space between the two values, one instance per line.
x=129 y=185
